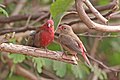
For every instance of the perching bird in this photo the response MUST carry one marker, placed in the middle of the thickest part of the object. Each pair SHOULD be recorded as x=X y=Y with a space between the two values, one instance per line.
x=43 y=35
x=69 y=40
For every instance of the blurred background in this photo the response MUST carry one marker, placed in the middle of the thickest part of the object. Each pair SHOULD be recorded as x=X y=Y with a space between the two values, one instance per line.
x=22 y=16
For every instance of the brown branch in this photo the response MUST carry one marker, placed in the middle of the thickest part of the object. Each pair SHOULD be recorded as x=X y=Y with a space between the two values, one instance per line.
x=111 y=5
x=94 y=18
x=23 y=17
x=21 y=29
x=102 y=64
x=99 y=36
x=36 y=52
x=95 y=12
x=33 y=17
x=31 y=51
x=90 y=24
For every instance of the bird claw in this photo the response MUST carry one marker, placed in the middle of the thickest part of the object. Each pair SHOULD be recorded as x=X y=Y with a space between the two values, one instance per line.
x=68 y=57
x=46 y=50
x=74 y=59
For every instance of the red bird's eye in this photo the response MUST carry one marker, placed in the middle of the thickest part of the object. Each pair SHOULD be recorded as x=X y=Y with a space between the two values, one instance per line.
x=49 y=25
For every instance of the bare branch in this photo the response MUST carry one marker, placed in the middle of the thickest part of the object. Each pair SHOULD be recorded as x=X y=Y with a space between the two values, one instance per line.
x=95 y=12
x=90 y=24
x=36 y=52
x=35 y=16
x=102 y=64
x=23 y=17
x=21 y=29
x=99 y=36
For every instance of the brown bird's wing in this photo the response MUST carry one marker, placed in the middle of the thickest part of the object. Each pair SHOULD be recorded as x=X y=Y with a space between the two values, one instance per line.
x=69 y=42
x=82 y=49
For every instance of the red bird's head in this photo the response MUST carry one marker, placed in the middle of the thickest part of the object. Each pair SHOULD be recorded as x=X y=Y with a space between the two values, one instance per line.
x=48 y=26
x=50 y=23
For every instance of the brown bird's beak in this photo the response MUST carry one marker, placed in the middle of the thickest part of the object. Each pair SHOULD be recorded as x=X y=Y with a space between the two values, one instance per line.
x=60 y=27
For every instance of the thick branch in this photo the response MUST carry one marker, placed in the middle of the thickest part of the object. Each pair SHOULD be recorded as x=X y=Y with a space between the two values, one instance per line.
x=31 y=51
x=90 y=24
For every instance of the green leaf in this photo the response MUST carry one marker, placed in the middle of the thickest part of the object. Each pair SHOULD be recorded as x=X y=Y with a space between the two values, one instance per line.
x=58 y=8
x=104 y=75
x=60 y=68
x=54 y=46
x=17 y=58
x=99 y=73
x=114 y=59
x=3 y=11
x=39 y=62
x=79 y=70
x=104 y=2
x=48 y=63
x=12 y=40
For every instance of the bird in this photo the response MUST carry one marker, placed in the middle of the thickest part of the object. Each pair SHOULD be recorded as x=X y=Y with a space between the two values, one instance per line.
x=70 y=42
x=42 y=36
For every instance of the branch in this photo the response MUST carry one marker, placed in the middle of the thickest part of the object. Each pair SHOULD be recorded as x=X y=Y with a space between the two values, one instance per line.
x=111 y=5
x=36 y=52
x=23 y=17
x=99 y=36
x=95 y=12
x=102 y=64
x=90 y=24
x=33 y=17
x=21 y=29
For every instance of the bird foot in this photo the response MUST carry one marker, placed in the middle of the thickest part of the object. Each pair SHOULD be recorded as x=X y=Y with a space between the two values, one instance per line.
x=68 y=57
x=46 y=50
x=74 y=59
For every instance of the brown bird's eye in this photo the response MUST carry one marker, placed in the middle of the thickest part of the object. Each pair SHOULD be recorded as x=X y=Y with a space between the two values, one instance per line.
x=65 y=28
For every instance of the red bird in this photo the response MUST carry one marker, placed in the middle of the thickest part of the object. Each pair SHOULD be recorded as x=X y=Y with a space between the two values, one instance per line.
x=43 y=36
x=71 y=42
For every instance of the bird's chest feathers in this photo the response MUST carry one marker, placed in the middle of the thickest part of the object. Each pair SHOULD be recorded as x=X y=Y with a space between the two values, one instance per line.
x=46 y=38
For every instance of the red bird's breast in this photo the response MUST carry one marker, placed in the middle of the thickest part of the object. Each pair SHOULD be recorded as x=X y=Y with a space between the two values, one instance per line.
x=46 y=38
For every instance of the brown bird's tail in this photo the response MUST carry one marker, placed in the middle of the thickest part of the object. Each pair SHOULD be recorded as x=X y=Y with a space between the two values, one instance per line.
x=84 y=55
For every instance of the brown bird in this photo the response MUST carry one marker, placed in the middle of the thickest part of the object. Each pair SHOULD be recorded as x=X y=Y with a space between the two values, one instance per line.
x=70 y=41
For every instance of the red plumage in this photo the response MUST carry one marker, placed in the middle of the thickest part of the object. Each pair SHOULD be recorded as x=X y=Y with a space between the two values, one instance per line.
x=44 y=35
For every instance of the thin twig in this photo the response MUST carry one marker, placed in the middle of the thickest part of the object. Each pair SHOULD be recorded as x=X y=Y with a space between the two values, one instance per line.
x=23 y=17
x=102 y=64
x=99 y=36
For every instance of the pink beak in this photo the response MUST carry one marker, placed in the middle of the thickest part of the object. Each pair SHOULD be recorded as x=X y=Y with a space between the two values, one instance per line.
x=60 y=27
